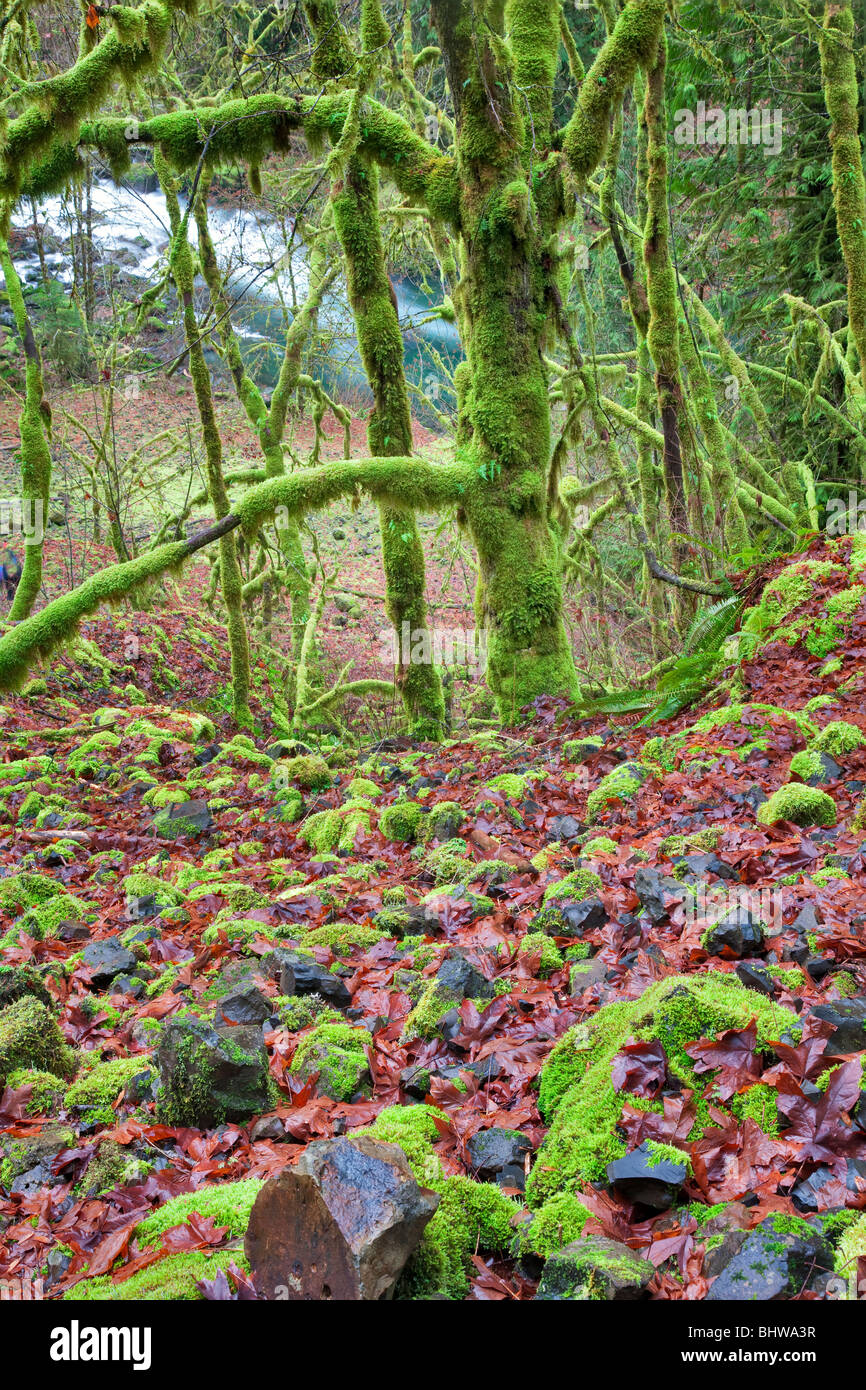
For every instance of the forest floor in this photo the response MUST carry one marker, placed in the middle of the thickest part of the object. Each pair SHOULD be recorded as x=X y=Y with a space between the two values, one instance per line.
x=109 y=736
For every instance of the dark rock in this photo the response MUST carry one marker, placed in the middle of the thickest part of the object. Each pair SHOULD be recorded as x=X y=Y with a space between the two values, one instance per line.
x=643 y=1177
x=269 y=1127
x=594 y=1268
x=73 y=931
x=656 y=890
x=459 y=976
x=830 y=772
x=208 y=1076
x=819 y=967
x=756 y=977
x=300 y=974
x=497 y=1155
x=772 y=1264
x=806 y=1193
x=340 y=1225
x=423 y=920
x=243 y=1006
x=806 y=921
x=183 y=818
x=107 y=959
x=206 y=755
x=565 y=828
x=721 y=1255
x=736 y=934
x=128 y=984
x=697 y=866
x=848 y=1017
x=589 y=914
x=583 y=973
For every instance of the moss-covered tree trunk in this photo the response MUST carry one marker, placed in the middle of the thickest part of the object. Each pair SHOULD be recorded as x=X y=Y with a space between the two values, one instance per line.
x=33 y=426
x=503 y=307
x=229 y=569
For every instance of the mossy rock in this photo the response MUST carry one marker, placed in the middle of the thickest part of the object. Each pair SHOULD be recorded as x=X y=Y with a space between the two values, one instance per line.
x=30 y=1037
x=799 y=804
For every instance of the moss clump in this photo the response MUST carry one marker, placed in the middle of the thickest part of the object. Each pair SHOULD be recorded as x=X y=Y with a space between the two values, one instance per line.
x=88 y=759
x=850 y=1250
x=173 y=1279
x=337 y=829
x=441 y=821
x=394 y=895
x=42 y=921
x=401 y=821
x=144 y=885
x=450 y=862
x=337 y=1052
x=110 y=1167
x=551 y=957
x=513 y=785
x=47 y=1089
x=579 y=884
x=343 y=937
x=95 y=1093
x=363 y=787
x=26 y=890
x=619 y=785
x=806 y=765
x=602 y=844
x=471 y=1216
x=800 y=804
x=16 y=981
x=30 y=1037
x=227 y=1204
x=838 y=738
x=309 y=771
x=576 y=1094
x=560 y=1221
x=577 y=750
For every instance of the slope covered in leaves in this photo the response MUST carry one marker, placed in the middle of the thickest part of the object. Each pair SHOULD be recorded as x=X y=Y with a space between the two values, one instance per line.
x=548 y=875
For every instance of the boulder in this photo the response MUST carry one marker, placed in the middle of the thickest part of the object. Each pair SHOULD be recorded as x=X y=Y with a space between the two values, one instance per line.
x=341 y=1224
x=848 y=1017
x=590 y=914
x=497 y=1155
x=107 y=959
x=649 y=1176
x=208 y=1075
x=300 y=974
x=657 y=892
x=735 y=934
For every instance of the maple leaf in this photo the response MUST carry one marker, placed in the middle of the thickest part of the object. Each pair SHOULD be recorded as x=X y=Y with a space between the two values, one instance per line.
x=734 y=1053
x=640 y=1067
x=824 y=1127
x=91 y=19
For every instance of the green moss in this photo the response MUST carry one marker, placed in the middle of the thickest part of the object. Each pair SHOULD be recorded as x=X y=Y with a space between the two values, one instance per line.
x=551 y=957
x=619 y=785
x=47 y=1089
x=450 y=862
x=513 y=785
x=343 y=937
x=806 y=764
x=838 y=738
x=758 y=1103
x=31 y=1038
x=602 y=844
x=337 y=829
x=666 y=1153
x=576 y=1094
x=172 y=1279
x=441 y=821
x=560 y=1221
x=800 y=804
x=144 y=885
x=577 y=750
x=96 y=1092
x=337 y=1052
x=579 y=884
x=401 y=821
x=25 y=890
x=226 y=1204
x=309 y=770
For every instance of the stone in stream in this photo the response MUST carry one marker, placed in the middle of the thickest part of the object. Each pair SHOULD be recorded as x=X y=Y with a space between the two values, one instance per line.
x=340 y=1225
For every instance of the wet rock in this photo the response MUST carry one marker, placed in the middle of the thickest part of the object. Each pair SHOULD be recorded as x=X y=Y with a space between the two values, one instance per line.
x=657 y=892
x=203 y=756
x=695 y=867
x=128 y=984
x=848 y=1017
x=341 y=1224
x=460 y=978
x=819 y=967
x=736 y=934
x=565 y=828
x=583 y=973
x=497 y=1155
x=756 y=977
x=716 y=1259
x=590 y=914
x=595 y=1268
x=243 y=1006
x=269 y=1127
x=772 y=1263
x=806 y=1193
x=207 y=1076
x=73 y=931
x=300 y=974
x=647 y=1177
x=830 y=772
x=107 y=959
x=183 y=818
